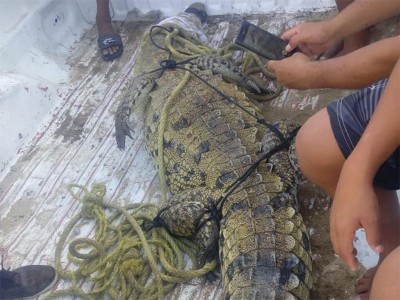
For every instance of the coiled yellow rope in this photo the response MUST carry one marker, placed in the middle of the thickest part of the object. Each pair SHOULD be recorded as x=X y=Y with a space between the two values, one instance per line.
x=122 y=261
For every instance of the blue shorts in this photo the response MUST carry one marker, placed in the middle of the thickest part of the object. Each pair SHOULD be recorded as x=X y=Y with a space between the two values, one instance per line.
x=349 y=116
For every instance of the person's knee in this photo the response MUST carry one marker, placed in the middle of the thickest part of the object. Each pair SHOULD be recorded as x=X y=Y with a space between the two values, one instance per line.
x=304 y=150
x=319 y=156
x=308 y=144
x=387 y=277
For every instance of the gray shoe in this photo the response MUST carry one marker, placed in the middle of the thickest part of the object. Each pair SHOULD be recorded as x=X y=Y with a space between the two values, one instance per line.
x=26 y=282
x=198 y=9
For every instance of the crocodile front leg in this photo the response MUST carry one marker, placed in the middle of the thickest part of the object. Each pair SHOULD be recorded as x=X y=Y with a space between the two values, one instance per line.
x=228 y=70
x=138 y=94
x=191 y=214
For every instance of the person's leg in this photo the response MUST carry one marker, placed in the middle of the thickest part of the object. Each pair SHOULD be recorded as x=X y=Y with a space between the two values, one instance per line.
x=319 y=156
x=386 y=282
x=357 y=40
x=351 y=43
x=320 y=159
x=389 y=211
x=110 y=42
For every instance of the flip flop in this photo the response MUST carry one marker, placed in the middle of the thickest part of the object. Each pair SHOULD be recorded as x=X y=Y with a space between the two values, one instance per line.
x=108 y=40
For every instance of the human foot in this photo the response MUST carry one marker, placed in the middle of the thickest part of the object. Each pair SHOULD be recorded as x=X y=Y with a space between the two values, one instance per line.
x=355 y=41
x=110 y=45
x=333 y=51
x=350 y=44
x=109 y=41
x=363 y=285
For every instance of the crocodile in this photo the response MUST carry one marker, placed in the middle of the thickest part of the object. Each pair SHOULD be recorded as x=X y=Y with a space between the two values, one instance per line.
x=208 y=143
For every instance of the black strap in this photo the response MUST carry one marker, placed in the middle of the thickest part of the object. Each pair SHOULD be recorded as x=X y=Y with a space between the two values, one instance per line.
x=284 y=144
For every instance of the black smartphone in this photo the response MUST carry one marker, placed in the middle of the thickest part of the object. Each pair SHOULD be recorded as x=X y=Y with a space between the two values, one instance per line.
x=262 y=42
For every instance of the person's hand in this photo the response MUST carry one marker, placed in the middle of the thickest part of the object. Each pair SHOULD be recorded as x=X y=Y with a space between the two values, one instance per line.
x=312 y=38
x=291 y=71
x=355 y=206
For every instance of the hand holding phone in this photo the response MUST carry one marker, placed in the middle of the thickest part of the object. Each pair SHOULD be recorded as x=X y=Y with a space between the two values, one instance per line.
x=262 y=42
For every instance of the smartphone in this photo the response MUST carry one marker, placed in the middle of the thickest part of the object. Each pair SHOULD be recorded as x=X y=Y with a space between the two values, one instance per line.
x=262 y=42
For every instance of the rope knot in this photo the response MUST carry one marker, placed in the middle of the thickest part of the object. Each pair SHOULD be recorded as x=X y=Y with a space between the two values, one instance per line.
x=92 y=201
x=150 y=224
x=89 y=205
x=133 y=265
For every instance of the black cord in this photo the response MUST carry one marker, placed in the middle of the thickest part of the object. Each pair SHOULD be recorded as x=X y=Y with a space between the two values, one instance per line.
x=251 y=169
x=151 y=36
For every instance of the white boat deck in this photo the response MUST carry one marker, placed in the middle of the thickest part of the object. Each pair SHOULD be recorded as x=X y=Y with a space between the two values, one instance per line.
x=57 y=105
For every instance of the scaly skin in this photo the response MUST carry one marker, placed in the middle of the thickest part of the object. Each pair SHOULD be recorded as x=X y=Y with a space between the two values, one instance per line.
x=208 y=143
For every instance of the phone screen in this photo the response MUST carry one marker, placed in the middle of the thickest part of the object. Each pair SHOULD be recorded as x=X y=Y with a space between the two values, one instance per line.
x=261 y=42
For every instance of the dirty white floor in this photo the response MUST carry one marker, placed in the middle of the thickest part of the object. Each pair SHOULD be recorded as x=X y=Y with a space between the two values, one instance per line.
x=57 y=124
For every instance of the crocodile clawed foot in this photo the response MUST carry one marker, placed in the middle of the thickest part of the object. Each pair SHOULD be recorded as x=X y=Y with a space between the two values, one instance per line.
x=122 y=130
x=214 y=275
x=139 y=94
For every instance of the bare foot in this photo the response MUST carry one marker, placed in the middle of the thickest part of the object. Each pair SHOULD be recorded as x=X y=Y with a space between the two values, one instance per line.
x=333 y=51
x=355 y=41
x=363 y=285
x=350 y=44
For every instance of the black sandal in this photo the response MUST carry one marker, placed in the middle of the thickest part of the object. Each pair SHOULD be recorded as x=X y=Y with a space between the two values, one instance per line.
x=108 y=40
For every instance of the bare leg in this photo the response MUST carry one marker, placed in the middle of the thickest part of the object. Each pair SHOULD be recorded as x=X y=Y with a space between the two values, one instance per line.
x=321 y=161
x=390 y=227
x=319 y=156
x=351 y=43
x=357 y=40
x=386 y=282
x=104 y=26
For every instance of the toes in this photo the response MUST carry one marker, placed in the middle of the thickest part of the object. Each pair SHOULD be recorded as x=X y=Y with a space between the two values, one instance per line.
x=363 y=296
x=110 y=50
x=115 y=49
x=363 y=285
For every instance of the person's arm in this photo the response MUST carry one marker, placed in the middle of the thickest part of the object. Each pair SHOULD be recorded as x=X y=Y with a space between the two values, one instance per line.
x=357 y=69
x=316 y=37
x=355 y=204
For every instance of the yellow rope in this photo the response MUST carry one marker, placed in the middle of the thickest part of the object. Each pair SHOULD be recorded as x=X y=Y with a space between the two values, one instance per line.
x=161 y=130
x=188 y=46
x=124 y=261
x=251 y=62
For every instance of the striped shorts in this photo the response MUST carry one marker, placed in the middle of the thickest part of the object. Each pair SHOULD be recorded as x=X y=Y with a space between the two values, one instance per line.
x=349 y=116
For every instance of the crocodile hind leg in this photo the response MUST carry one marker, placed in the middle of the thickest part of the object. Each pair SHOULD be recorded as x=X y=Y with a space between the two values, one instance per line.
x=191 y=215
x=271 y=140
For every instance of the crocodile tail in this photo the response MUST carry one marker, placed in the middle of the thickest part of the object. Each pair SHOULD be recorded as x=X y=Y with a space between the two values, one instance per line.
x=265 y=253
